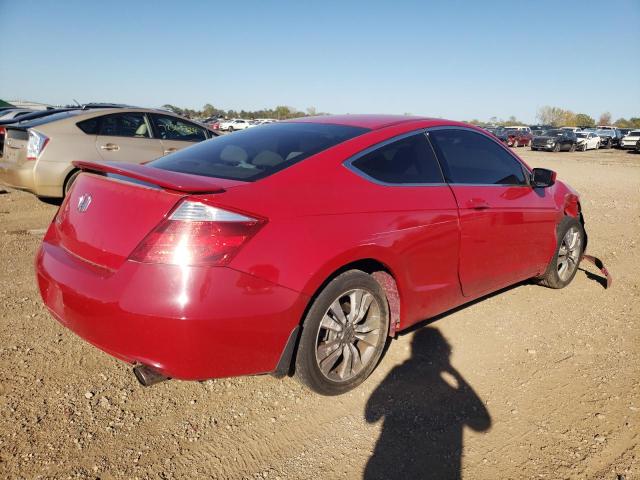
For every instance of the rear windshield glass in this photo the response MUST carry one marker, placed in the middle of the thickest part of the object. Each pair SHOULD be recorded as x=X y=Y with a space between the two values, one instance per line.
x=258 y=151
x=50 y=118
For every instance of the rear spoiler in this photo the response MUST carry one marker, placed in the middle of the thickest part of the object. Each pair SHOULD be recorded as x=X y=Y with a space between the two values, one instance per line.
x=181 y=182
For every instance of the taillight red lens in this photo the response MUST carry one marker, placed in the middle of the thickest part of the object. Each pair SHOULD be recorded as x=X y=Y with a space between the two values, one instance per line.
x=197 y=234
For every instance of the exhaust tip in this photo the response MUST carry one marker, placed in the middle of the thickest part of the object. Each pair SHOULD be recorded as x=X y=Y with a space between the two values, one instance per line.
x=148 y=376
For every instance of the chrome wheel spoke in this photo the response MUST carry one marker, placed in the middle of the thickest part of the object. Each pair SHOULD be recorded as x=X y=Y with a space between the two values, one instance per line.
x=370 y=338
x=356 y=362
x=331 y=324
x=367 y=299
x=345 y=366
x=364 y=328
x=327 y=364
x=338 y=312
x=355 y=300
x=325 y=349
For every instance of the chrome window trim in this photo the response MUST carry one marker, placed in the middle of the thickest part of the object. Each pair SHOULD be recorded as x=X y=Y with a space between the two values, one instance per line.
x=527 y=173
x=349 y=162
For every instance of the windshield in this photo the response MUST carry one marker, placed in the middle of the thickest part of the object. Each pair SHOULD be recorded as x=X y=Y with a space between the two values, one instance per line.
x=634 y=133
x=581 y=135
x=554 y=133
x=257 y=152
x=606 y=133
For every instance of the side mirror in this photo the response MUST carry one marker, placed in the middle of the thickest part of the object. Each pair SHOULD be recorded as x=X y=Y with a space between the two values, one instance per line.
x=542 y=178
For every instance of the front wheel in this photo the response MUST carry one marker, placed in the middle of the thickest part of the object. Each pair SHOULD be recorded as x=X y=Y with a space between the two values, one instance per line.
x=564 y=264
x=556 y=147
x=343 y=334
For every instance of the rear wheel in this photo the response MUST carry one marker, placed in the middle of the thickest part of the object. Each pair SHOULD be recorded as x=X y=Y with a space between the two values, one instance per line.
x=69 y=182
x=564 y=264
x=230 y=129
x=556 y=147
x=343 y=334
x=572 y=148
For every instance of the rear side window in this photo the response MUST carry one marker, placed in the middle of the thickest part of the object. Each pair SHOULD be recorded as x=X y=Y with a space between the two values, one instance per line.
x=406 y=161
x=90 y=126
x=256 y=152
x=172 y=128
x=471 y=158
x=124 y=125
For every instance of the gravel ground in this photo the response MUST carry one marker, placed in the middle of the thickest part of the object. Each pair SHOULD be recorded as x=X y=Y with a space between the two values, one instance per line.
x=527 y=383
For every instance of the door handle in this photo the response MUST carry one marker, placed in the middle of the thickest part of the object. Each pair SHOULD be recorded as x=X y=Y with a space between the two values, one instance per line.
x=170 y=150
x=110 y=147
x=478 y=204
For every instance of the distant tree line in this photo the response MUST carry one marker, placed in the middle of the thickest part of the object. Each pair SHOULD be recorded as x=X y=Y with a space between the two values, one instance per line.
x=281 y=112
x=559 y=117
x=547 y=115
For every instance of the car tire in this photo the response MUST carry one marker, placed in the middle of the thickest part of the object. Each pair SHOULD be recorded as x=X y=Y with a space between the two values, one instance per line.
x=556 y=147
x=572 y=148
x=534 y=148
x=584 y=147
x=332 y=340
x=69 y=181
x=566 y=259
x=230 y=129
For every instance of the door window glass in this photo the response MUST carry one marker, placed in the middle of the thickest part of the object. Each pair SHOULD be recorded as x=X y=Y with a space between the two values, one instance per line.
x=472 y=158
x=172 y=128
x=125 y=125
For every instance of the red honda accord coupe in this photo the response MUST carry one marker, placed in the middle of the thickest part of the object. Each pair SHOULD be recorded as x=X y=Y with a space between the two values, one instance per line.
x=300 y=246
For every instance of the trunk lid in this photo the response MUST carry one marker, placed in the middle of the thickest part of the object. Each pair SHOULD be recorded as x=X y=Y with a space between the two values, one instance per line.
x=106 y=214
x=15 y=146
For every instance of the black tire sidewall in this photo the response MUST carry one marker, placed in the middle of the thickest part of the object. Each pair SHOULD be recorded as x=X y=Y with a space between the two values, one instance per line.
x=306 y=368
x=551 y=277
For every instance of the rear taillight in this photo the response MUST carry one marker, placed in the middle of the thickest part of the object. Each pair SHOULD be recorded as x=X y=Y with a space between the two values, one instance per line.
x=3 y=130
x=36 y=144
x=197 y=234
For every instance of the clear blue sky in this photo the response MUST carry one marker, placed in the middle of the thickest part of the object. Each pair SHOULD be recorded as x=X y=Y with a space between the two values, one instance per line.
x=455 y=59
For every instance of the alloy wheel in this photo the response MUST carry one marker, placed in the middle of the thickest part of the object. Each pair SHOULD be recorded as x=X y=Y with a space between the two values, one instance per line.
x=569 y=253
x=348 y=335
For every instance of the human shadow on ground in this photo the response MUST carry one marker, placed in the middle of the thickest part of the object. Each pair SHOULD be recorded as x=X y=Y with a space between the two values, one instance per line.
x=425 y=403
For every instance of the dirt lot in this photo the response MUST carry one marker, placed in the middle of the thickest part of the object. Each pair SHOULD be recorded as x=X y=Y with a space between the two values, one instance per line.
x=529 y=383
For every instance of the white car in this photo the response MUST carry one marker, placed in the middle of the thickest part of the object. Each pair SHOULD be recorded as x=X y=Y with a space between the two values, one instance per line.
x=234 y=124
x=630 y=140
x=571 y=129
x=588 y=141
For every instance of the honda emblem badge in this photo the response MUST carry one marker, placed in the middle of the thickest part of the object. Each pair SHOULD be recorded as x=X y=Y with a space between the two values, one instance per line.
x=83 y=202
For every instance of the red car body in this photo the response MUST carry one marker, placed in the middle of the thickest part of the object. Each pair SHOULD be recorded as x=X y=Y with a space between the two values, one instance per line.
x=443 y=245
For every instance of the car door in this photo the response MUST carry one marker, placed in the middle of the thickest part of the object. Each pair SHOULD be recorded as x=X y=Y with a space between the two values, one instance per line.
x=175 y=133
x=418 y=217
x=506 y=227
x=127 y=137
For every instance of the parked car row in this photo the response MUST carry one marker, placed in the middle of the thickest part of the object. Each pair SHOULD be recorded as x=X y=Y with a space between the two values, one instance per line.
x=567 y=138
x=36 y=154
x=241 y=124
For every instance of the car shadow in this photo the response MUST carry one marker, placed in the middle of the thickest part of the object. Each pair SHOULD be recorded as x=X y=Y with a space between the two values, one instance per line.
x=424 y=404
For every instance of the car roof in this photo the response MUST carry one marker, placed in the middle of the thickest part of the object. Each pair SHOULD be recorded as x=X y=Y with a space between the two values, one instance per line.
x=372 y=122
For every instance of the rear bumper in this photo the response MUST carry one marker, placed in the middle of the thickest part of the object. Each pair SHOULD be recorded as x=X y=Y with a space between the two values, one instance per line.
x=186 y=322
x=543 y=147
x=19 y=176
x=40 y=177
